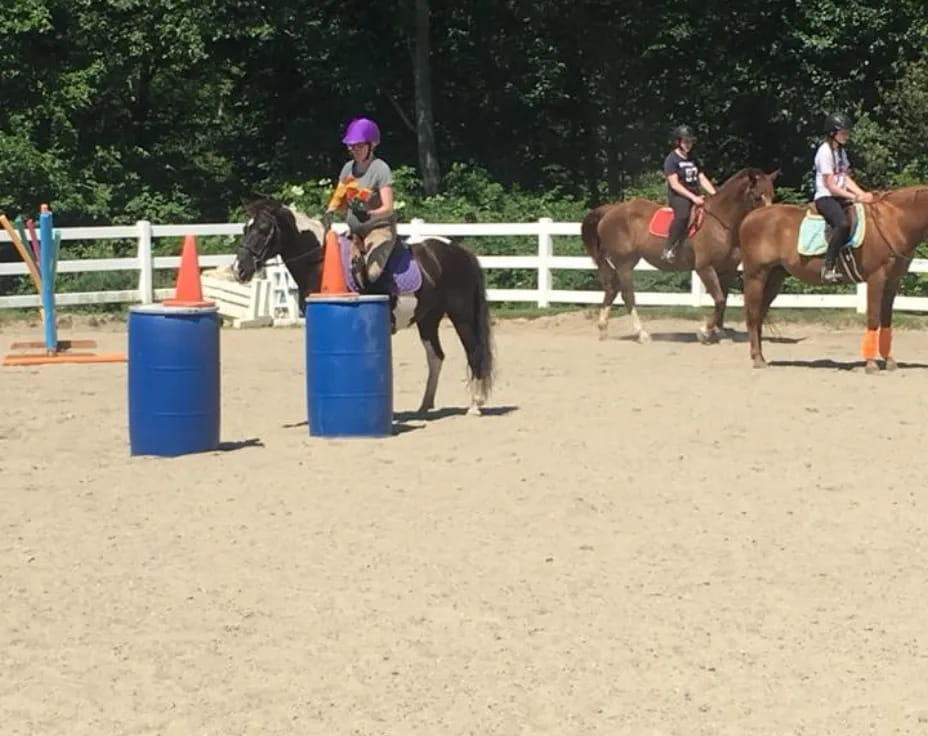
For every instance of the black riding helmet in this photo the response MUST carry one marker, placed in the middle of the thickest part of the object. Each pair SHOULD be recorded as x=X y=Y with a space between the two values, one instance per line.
x=683 y=131
x=838 y=121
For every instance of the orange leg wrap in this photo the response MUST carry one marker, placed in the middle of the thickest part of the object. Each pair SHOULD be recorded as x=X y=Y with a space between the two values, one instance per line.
x=869 y=346
x=886 y=341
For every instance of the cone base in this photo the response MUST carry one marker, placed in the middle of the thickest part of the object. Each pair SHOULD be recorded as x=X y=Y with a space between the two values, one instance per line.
x=187 y=303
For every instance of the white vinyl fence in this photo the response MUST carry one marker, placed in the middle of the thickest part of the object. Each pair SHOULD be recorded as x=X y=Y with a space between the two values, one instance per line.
x=544 y=262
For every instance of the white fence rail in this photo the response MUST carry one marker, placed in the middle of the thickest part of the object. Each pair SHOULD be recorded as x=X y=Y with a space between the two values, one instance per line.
x=544 y=262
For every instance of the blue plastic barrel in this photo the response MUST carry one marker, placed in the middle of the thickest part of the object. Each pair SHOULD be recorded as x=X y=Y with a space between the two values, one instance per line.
x=349 y=366
x=174 y=405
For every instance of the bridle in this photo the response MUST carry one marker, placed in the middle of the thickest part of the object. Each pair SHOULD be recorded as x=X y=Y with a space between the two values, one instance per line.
x=261 y=256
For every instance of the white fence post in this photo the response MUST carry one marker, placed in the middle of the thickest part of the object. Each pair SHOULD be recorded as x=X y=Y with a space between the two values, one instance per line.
x=862 y=298
x=697 y=289
x=545 y=253
x=417 y=223
x=146 y=265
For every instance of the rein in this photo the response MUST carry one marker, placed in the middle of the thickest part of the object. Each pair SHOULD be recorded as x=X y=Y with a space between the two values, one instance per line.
x=705 y=208
x=718 y=219
x=261 y=258
x=876 y=222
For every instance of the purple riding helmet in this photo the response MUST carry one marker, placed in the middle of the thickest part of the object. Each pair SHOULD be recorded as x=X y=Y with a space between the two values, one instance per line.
x=361 y=130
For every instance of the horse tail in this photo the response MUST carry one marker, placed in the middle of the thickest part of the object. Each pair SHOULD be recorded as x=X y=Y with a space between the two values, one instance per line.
x=481 y=362
x=589 y=231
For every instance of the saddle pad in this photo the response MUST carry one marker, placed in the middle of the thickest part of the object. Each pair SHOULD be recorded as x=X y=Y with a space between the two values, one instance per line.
x=402 y=267
x=659 y=226
x=811 y=240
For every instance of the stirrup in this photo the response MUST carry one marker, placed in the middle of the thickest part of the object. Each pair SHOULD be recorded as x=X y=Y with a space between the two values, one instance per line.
x=830 y=275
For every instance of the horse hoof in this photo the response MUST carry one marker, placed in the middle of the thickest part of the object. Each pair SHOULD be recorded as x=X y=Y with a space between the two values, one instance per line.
x=872 y=367
x=602 y=333
x=760 y=363
x=474 y=411
x=891 y=364
x=643 y=338
x=706 y=337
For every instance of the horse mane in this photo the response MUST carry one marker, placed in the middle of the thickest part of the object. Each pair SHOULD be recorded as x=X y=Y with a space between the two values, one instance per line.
x=742 y=174
x=304 y=222
x=733 y=186
x=885 y=194
x=297 y=222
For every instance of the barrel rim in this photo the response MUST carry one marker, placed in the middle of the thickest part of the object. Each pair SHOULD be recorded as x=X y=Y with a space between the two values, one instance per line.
x=164 y=309
x=318 y=298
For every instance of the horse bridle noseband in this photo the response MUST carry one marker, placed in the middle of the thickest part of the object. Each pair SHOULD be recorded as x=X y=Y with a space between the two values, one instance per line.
x=260 y=257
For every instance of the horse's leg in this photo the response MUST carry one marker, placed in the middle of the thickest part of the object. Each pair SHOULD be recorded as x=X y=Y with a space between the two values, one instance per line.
x=710 y=279
x=463 y=322
x=725 y=281
x=896 y=271
x=754 y=284
x=609 y=280
x=428 y=333
x=886 y=328
x=625 y=274
x=875 y=290
x=775 y=279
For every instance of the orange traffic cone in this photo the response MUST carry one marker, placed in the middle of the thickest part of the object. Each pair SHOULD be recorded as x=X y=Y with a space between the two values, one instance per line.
x=189 y=291
x=333 y=273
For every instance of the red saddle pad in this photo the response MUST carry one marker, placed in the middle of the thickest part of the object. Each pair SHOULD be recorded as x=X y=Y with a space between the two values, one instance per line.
x=661 y=219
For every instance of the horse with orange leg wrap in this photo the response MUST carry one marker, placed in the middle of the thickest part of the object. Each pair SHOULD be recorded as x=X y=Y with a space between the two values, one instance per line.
x=895 y=223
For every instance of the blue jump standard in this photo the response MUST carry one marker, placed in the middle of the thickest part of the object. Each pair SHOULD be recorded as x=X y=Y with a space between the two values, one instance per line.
x=349 y=366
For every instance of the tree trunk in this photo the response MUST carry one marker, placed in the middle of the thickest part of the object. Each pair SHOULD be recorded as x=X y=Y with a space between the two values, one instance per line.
x=425 y=127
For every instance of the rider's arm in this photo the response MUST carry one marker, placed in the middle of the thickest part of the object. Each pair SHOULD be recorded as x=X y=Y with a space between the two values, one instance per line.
x=853 y=186
x=832 y=184
x=674 y=181
x=386 y=202
x=382 y=180
x=706 y=184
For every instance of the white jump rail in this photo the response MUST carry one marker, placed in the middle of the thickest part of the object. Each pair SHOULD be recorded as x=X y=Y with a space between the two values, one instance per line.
x=543 y=262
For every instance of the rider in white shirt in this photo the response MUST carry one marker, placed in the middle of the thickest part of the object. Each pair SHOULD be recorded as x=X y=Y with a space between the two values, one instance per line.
x=835 y=189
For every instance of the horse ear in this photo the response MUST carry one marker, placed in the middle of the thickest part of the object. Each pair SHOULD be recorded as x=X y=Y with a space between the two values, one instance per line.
x=773 y=174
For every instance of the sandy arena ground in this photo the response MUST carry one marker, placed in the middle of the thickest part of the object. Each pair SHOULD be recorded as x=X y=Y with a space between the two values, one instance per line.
x=634 y=540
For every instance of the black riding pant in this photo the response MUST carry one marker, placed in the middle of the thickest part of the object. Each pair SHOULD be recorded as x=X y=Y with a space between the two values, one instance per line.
x=832 y=209
x=681 y=207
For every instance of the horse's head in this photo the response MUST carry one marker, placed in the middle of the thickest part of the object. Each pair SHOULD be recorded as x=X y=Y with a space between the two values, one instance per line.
x=261 y=238
x=758 y=190
x=746 y=190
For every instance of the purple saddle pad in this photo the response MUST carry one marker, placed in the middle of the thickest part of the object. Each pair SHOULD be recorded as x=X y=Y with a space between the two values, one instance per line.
x=402 y=268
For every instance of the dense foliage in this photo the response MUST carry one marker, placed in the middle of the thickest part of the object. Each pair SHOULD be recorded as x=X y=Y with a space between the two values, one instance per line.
x=174 y=112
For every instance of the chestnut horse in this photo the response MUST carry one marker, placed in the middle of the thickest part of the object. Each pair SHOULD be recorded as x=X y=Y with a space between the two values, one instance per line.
x=896 y=222
x=617 y=236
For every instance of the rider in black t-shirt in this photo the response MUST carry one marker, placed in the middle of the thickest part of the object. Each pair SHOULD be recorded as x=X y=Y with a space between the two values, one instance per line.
x=683 y=181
